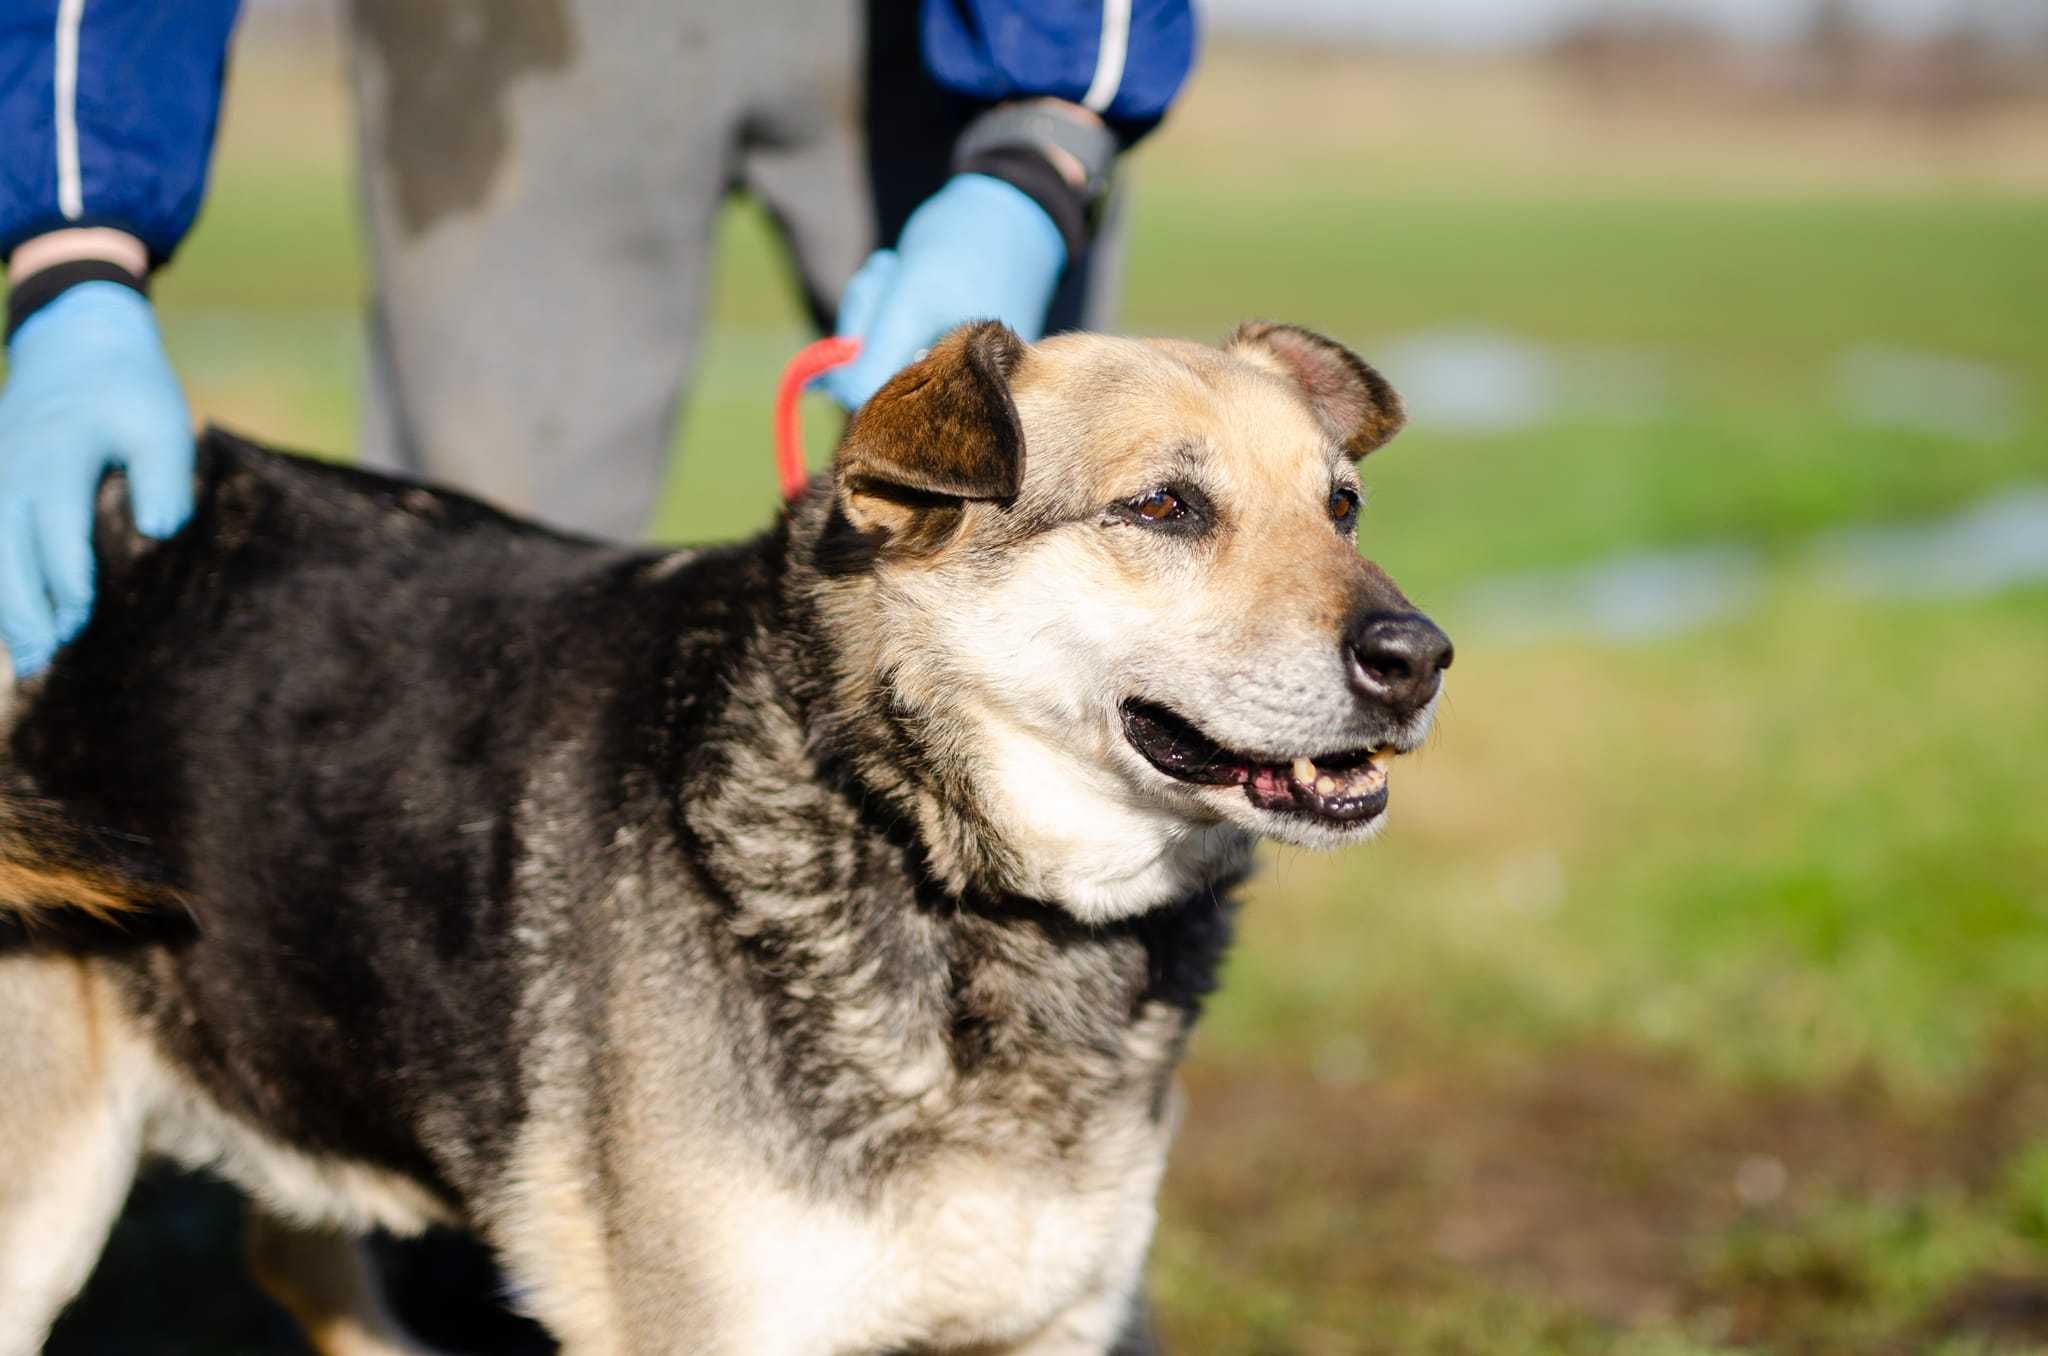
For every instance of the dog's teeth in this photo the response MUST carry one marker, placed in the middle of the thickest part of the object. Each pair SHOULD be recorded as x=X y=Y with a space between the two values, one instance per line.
x=1381 y=757
x=1305 y=771
x=1326 y=785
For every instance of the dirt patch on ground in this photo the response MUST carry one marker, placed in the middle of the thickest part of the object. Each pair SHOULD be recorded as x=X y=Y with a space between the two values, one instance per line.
x=1617 y=1184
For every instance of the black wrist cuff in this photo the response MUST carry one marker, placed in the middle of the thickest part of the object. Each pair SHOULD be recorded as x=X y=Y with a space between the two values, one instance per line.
x=1030 y=173
x=45 y=285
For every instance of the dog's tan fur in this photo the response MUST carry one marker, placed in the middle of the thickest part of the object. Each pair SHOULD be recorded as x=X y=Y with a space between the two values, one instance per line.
x=47 y=872
x=28 y=887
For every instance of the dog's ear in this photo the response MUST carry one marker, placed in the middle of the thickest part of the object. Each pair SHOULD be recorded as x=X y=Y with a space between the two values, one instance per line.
x=1353 y=402
x=939 y=434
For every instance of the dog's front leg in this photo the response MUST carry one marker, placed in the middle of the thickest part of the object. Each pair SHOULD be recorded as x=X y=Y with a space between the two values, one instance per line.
x=607 y=1251
x=323 y=1280
x=70 y=1139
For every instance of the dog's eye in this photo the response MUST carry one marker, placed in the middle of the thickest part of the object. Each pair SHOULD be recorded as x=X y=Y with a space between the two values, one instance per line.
x=1343 y=508
x=1160 y=506
x=1178 y=510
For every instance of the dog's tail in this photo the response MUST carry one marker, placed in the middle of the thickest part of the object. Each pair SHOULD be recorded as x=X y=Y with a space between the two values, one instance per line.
x=64 y=886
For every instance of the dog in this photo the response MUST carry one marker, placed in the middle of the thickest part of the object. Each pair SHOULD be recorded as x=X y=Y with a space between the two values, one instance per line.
x=781 y=947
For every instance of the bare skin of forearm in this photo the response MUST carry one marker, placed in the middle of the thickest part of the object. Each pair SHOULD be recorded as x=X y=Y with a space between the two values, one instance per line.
x=34 y=255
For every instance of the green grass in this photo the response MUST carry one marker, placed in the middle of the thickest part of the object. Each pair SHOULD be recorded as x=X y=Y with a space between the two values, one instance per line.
x=1737 y=846
x=1747 y=286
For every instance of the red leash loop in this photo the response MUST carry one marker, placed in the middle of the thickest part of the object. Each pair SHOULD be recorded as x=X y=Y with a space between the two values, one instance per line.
x=811 y=361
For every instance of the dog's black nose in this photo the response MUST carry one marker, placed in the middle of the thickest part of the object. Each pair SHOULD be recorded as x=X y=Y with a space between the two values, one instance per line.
x=1397 y=658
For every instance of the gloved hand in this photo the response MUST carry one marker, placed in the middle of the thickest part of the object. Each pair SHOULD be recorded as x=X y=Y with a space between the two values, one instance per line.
x=977 y=249
x=88 y=387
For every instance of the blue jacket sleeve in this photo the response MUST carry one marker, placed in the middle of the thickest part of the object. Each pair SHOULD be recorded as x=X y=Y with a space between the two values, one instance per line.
x=107 y=111
x=1125 y=59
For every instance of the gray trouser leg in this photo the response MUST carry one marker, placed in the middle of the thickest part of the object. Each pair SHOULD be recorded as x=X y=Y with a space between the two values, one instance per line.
x=541 y=180
x=802 y=149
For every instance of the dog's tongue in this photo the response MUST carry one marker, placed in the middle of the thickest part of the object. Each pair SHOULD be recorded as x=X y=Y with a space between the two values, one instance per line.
x=1303 y=785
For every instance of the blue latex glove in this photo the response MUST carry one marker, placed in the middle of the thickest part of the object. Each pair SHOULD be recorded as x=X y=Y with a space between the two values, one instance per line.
x=88 y=387
x=977 y=249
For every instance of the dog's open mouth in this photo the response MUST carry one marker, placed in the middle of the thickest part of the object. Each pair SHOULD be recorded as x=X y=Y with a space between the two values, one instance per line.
x=1348 y=787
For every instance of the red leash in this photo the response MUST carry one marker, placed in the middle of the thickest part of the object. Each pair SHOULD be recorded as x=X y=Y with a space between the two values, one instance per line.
x=811 y=361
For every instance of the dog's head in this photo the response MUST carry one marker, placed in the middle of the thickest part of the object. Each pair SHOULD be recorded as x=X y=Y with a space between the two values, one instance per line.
x=1113 y=588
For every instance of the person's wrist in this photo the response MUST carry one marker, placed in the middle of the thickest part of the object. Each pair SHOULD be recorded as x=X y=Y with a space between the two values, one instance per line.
x=45 y=267
x=1060 y=155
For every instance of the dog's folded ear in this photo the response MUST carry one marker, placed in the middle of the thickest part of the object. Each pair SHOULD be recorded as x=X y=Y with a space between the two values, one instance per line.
x=940 y=433
x=1353 y=402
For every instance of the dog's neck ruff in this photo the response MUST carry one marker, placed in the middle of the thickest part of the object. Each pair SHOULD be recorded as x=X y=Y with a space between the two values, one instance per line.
x=1076 y=837
x=853 y=909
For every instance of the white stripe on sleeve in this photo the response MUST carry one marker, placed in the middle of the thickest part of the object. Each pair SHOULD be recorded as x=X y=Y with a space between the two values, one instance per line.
x=70 y=197
x=1109 y=57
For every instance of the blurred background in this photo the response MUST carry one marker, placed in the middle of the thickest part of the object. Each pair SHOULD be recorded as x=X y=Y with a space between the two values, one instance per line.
x=1696 y=1000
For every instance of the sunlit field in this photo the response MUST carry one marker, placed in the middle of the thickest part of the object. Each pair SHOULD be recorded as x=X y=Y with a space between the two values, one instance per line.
x=1696 y=998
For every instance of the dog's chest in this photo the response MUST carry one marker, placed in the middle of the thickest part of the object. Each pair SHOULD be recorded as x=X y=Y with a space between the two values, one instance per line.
x=972 y=1249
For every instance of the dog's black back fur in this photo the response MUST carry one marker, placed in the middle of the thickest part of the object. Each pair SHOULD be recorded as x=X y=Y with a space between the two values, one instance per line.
x=314 y=704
